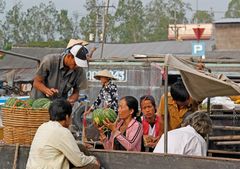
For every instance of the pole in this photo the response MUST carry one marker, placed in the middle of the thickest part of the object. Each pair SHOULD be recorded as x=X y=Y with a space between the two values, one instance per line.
x=166 y=110
x=175 y=22
x=96 y=33
x=105 y=19
x=197 y=11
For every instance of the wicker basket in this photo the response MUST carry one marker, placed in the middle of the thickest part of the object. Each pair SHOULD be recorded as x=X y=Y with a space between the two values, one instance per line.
x=20 y=124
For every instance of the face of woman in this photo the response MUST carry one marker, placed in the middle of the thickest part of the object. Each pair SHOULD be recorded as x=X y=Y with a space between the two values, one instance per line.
x=123 y=110
x=104 y=80
x=147 y=109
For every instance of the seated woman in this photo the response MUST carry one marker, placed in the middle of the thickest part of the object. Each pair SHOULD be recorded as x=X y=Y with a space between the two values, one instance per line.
x=126 y=134
x=152 y=123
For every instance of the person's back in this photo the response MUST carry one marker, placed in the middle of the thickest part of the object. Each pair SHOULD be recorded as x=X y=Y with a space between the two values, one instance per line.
x=185 y=141
x=45 y=146
x=54 y=146
x=188 y=140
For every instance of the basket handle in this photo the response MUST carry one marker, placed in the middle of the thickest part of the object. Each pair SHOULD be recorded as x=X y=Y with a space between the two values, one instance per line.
x=21 y=101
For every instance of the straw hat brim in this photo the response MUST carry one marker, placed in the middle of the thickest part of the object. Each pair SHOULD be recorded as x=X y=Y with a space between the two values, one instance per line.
x=73 y=42
x=104 y=73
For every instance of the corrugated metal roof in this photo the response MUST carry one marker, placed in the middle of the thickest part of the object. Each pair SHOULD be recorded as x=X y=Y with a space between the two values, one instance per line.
x=121 y=51
x=227 y=21
x=14 y=62
x=25 y=68
x=149 y=48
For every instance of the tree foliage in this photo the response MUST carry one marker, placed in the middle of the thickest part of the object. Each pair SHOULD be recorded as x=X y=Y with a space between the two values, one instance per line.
x=129 y=18
x=88 y=23
x=161 y=13
x=203 y=17
x=65 y=25
x=12 y=25
x=129 y=22
x=2 y=5
x=233 y=9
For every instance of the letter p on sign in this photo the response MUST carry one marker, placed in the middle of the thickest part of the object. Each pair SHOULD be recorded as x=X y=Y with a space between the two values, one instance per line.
x=198 y=48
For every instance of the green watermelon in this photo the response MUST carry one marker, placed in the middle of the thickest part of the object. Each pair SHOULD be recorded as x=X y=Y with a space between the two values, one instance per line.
x=47 y=105
x=97 y=118
x=11 y=101
x=39 y=103
x=100 y=115
x=29 y=102
x=110 y=114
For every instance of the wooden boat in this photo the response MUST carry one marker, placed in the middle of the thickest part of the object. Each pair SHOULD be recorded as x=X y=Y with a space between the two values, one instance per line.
x=12 y=156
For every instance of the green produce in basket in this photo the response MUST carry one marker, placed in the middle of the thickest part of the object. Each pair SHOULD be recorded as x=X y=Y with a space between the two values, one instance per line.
x=30 y=102
x=47 y=105
x=39 y=103
x=11 y=101
x=100 y=115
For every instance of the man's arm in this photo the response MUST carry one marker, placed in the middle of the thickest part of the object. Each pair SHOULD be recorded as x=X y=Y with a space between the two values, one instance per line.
x=38 y=83
x=68 y=146
x=74 y=97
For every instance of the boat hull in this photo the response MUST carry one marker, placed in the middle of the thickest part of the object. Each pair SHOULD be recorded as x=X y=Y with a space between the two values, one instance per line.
x=125 y=160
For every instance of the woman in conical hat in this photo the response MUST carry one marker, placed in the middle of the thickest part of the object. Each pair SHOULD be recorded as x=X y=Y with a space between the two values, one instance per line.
x=108 y=95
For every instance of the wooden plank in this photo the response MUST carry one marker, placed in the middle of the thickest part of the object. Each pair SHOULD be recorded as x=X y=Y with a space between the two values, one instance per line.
x=227 y=143
x=234 y=128
x=228 y=137
x=223 y=152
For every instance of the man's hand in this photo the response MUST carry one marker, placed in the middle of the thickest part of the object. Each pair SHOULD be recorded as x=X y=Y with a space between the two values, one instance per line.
x=71 y=101
x=51 y=92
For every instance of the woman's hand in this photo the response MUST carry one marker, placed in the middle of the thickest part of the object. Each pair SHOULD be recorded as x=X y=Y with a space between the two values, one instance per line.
x=102 y=136
x=110 y=125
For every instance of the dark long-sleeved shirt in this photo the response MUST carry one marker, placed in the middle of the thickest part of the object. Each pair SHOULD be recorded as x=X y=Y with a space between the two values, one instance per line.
x=107 y=95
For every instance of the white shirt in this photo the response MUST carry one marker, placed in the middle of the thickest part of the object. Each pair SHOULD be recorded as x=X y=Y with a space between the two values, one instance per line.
x=53 y=147
x=185 y=141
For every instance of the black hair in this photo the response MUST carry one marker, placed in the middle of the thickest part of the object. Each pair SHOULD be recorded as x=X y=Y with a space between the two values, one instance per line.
x=150 y=98
x=132 y=103
x=179 y=92
x=59 y=109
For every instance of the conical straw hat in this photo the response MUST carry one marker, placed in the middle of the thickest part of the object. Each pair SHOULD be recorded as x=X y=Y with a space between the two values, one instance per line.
x=104 y=73
x=73 y=42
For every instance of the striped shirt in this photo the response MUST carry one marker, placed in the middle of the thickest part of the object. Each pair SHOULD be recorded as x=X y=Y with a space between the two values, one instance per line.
x=133 y=139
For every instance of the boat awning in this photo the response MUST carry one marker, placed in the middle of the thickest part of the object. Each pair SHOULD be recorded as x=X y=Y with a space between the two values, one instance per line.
x=201 y=84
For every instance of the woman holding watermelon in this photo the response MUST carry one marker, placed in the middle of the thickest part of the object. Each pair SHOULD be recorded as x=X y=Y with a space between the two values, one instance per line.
x=126 y=133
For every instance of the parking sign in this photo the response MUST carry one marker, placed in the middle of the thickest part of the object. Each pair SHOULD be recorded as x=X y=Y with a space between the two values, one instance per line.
x=198 y=48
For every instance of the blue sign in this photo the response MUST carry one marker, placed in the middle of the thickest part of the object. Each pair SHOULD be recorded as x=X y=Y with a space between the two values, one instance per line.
x=198 y=48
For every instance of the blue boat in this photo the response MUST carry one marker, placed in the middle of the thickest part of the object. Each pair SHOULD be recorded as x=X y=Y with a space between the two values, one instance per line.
x=3 y=99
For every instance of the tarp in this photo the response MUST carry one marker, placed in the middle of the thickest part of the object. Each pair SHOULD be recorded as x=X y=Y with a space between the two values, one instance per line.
x=201 y=84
